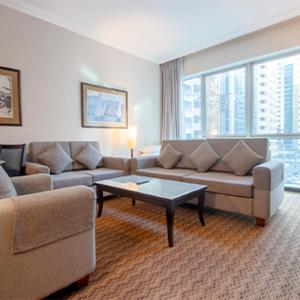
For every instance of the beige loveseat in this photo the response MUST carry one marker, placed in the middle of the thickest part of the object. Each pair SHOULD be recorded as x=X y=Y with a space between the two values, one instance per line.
x=75 y=173
x=258 y=194
x=37 y=270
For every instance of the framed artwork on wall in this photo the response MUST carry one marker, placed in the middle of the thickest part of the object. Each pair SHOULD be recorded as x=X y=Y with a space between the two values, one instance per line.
x=10 y=97
x=103 y=107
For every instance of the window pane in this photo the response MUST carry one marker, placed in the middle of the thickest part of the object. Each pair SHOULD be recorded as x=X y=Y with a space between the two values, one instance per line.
x=192 y=108
x=286 y=150
x=226 y=109
x=276 y=94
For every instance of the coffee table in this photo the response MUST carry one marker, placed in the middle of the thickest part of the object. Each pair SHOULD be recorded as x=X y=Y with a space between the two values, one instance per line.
x=166 y=193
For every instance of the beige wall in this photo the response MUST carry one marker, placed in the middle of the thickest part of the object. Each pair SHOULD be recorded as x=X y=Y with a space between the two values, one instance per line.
x=53 y=61
x=276 y=38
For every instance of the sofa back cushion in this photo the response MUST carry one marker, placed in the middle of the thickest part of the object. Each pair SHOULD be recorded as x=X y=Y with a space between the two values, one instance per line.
x=56 y=159
x=89 y=157
x=223 y=146
x=37 y=148
x=185 y=147
x=241 y=159
x=204 y=157
x=168 y=157
x=220 y=146
x=76 y=147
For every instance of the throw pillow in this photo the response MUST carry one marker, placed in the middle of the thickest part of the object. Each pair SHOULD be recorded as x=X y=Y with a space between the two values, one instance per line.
x=204 y=157
x=241 y=158
x=7 y=188
x=169 y=157
x=89 y=157
x=55 y=158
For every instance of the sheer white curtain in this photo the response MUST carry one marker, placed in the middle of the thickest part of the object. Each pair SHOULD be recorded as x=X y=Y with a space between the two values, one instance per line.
x=171 y=79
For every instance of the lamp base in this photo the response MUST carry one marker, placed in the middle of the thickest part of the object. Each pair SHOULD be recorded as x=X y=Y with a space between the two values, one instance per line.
x=131 y=153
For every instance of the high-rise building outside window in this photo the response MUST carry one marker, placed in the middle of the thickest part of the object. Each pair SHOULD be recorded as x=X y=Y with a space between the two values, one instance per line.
x=191 y=112
x=225 y=103
x=276 y=96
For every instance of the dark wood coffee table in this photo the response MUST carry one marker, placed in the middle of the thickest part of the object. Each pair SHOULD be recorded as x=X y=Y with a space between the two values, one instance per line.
x=162 y=192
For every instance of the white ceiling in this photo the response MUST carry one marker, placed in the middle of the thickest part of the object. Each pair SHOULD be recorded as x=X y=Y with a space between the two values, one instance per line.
x=160 y=30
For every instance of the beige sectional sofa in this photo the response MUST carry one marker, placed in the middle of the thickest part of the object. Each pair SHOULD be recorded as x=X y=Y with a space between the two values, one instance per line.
x=75 y=173
x=258 y=194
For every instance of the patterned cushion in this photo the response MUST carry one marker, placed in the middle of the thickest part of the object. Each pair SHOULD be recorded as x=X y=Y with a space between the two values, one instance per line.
x=89 y=157
x=241 y=158
x=204 y=157
x=7 y=188
x=169 y=157
x=55 y=158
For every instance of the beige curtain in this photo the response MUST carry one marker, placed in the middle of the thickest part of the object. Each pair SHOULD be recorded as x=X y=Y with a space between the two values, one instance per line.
x=171 y=77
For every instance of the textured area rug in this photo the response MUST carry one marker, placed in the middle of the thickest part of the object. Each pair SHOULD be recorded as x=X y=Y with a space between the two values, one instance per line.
x=229 y=258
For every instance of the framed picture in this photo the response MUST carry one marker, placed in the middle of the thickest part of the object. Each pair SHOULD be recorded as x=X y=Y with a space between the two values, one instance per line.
x=10 y=98
x=103 y=107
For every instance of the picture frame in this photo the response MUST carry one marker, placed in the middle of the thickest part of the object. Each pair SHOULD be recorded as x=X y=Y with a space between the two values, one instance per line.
x=103 y=107
x=10 y=97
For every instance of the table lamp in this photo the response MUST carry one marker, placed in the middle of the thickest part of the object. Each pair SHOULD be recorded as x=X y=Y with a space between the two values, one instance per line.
x=131 y=138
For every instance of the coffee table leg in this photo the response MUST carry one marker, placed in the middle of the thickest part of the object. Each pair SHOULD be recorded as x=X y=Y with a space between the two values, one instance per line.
x=100 y=201
x=170 y=225
x=133 y=202
x=201 y=200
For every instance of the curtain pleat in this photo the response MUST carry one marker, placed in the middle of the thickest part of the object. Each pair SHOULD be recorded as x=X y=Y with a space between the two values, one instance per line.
x=171 y=77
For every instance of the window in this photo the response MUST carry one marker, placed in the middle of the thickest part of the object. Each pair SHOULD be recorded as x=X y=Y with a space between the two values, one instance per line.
x=276 y=96
x=233 y=103
x=287 y=150
x=225 y=103
x=192 y=108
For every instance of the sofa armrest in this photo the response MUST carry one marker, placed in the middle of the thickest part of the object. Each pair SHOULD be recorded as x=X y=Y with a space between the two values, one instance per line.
x=35 y=168
x=268 y=188
x=117 y=163
x=32 y=183
x=64 y=261
x=143 y=163
x=268 y=175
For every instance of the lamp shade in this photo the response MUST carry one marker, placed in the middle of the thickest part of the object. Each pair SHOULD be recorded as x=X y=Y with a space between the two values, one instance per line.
x=131 y=136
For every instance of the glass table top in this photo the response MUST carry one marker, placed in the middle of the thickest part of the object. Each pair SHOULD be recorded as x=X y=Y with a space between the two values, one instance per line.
x=168 y=189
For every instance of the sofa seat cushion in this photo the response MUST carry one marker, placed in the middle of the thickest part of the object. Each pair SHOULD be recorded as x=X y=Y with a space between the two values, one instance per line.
x=224 y=183
x=103 y=173
x=71 y=178
x=158 y=172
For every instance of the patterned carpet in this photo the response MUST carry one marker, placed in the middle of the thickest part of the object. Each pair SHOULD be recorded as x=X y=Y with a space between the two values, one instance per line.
x=230 y=258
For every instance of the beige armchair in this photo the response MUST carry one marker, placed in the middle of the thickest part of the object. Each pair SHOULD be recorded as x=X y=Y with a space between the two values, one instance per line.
x=39 y=271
